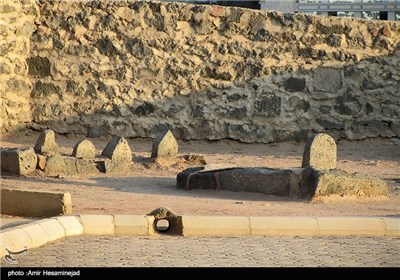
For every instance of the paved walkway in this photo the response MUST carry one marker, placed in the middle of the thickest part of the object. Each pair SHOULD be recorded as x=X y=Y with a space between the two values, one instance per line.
x=249 y=251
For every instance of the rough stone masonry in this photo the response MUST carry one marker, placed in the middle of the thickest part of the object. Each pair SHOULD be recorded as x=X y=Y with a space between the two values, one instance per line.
x=135 y=69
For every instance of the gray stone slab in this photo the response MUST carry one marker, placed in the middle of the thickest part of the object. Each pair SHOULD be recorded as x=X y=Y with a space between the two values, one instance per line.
x=202 y=180
x=261 y=180
x=182 y=177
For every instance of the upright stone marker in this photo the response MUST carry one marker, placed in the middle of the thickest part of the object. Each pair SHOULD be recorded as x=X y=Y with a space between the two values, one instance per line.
x=118 y=150
x=46 y=143
x=84 y=149
x=165 y=146
x=320 y=152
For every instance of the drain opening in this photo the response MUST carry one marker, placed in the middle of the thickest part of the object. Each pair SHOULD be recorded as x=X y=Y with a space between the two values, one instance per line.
x=162 y=225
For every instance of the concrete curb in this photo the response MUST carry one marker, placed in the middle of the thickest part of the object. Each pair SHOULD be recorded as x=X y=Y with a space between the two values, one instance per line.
x=41 y=232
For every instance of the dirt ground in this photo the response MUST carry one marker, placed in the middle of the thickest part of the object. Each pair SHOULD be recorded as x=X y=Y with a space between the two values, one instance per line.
x=149 y=186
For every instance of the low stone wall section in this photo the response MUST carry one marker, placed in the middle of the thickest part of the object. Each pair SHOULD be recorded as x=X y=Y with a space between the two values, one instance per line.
x=34 y=203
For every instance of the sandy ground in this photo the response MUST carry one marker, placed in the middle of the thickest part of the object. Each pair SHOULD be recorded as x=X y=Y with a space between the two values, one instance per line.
x=149 y=186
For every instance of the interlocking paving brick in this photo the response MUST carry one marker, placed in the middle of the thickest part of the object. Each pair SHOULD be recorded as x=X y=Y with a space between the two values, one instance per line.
x=248 y=251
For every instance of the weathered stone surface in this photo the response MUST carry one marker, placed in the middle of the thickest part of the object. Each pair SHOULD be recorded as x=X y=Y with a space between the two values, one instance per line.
x=43 y=90
x=267 y=105
x=113 y=167
x=360 y=130
x=260 y=180
x=317 y=183
x=69 y=166
x=320 y=152
x=251 y=133
x=182 y=181
x=270 y=85
x=84 y=149
x=347 y=105
x=46 y=143
x=202 y=180
x=39 y=67
x=55 y=165
x=86 y=166
x=41 y=162
x=35 y=204
x=327 y=80
x=97 y=131
x=118 y=150
x=18 y=161
x=295 y=84
x=165 y=146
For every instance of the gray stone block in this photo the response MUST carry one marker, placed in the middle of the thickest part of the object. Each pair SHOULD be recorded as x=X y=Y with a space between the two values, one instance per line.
x=182 y=177
x=165 y=146
x=327 y=79
x=46 y=144
x=260 y=180
x=295 y=84
x=347 y=105
x=118 y=150
x=39 y=67
x=202 y=180
x=267 y=105
x=84 y=149
x=18 y=161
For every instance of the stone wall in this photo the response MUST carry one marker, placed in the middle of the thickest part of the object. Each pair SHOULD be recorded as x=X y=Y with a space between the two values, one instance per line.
x=16 y=28
x=206 y=72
